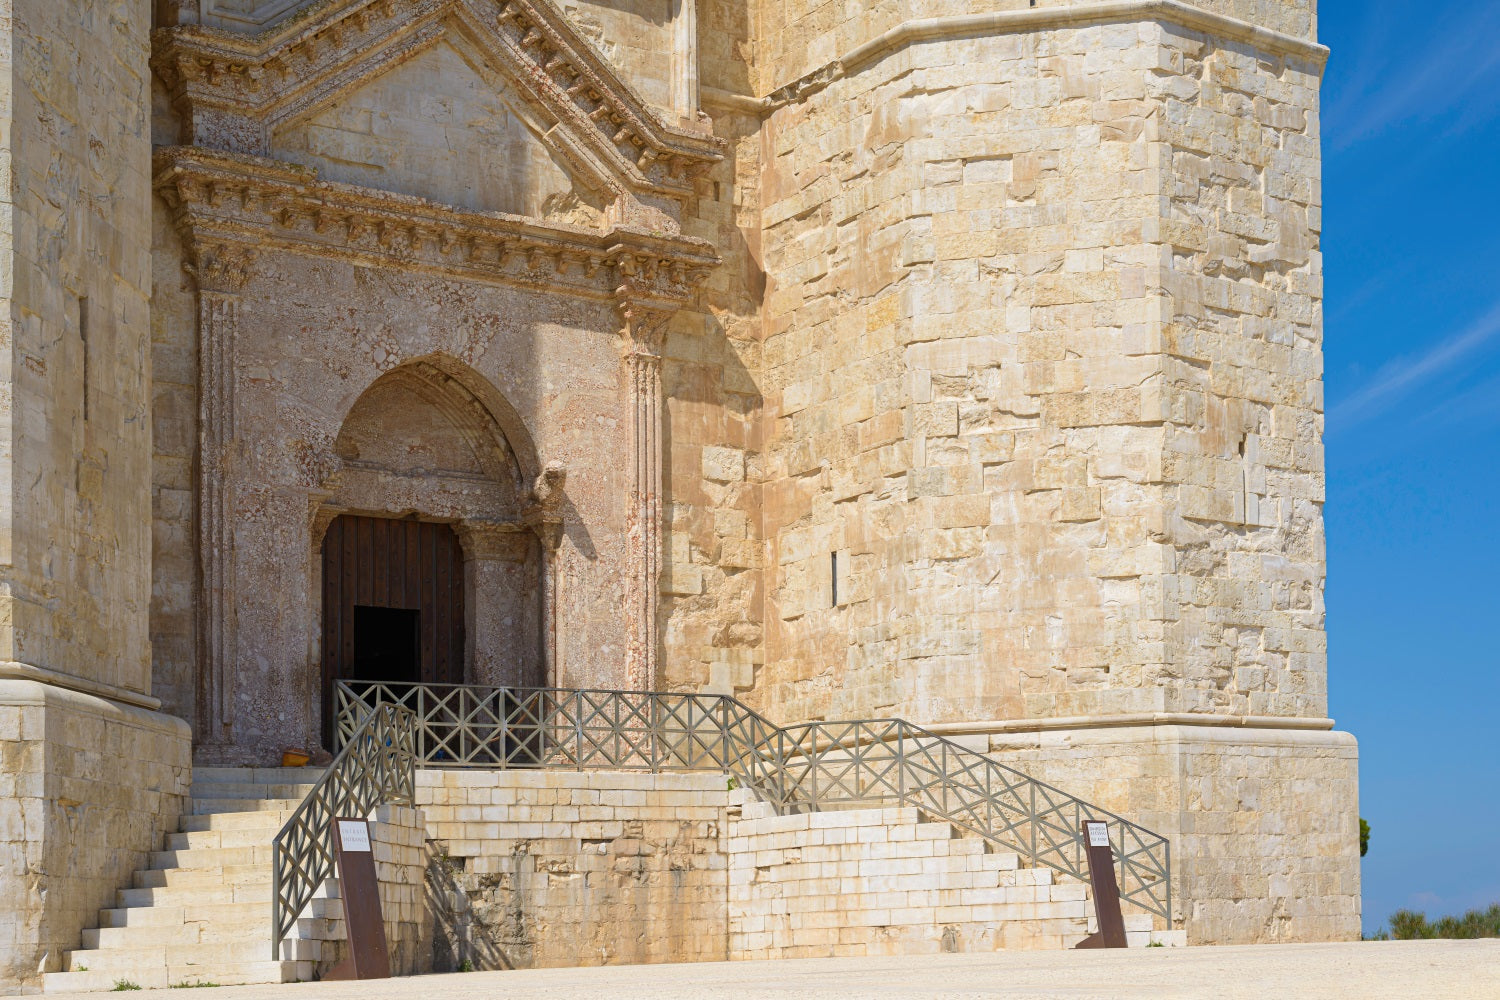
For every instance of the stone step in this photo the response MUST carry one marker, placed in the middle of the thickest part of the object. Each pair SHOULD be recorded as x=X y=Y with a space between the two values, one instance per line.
x=209 y=893
x=257 y=775
x=202 y=807
x=213 y=858
x=194 y=896
x=208 y=957
x=250 y=790
x=204 y=840
x=175 y=915
x=253 y=924
x=270 y=820
x=163 y=976
x=226 y=876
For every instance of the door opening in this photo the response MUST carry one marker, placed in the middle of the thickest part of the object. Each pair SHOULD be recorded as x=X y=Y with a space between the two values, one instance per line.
x=393 y=605
x=387 y=644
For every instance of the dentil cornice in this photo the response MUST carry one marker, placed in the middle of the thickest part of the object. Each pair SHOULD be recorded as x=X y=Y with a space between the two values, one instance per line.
x=229 y=205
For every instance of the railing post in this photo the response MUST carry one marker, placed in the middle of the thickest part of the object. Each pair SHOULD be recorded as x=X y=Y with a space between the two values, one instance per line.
x=578 y=730
x=1032 y=823
x=655 y=743
x=724 y=732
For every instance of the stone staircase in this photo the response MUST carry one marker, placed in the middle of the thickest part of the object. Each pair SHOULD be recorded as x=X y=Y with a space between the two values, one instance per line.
x=201 y=913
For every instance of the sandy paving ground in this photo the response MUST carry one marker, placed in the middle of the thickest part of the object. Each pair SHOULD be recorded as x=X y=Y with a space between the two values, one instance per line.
x=1450 y=970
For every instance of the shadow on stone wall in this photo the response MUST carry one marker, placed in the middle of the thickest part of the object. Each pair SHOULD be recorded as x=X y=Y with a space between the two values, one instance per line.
x=460 y=943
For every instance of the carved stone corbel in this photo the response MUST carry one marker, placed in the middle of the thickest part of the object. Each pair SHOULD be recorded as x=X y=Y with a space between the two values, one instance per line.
x=220 y=270
x=644 y=323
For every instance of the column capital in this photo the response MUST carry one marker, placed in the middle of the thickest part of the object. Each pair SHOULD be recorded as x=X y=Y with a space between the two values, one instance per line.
x=504 y=540
x=643 y=319
x=219 y=267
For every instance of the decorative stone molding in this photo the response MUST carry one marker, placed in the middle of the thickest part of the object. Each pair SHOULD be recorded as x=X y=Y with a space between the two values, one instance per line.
x=930 y=29
x=487 y=540
x=235 y=203
x=232 y=89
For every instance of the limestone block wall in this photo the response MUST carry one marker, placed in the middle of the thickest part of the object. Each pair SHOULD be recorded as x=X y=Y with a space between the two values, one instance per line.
x=1264 y=823
x=74 y=378
x=863 y=882
x=534 y=869
x=712 y=598
x=87 y=789
x=801 y=39
x=398 y=839
x=1241 y=389
x=552 y=868
x=1016 y=420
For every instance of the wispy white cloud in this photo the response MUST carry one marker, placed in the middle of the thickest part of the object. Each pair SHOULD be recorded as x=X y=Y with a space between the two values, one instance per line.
x=1452 y=74
x=1403 y=374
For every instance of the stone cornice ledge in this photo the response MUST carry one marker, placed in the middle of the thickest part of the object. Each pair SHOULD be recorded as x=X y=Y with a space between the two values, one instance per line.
x=12 y=670
x=249 y=202
x=1195 y=719
x=929 y=29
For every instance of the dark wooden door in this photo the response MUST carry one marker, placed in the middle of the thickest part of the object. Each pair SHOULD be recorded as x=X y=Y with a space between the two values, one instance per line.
x=393 y=604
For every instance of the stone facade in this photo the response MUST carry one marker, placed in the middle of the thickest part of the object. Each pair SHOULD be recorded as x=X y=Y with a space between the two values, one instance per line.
x=957 y=359
x=537 y=869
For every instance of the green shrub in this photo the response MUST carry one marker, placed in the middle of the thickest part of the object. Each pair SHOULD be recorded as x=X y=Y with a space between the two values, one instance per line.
x=122 y=985
x=1409 y=925
x=1364 y=837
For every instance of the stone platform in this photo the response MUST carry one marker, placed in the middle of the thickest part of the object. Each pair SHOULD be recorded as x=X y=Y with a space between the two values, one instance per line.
x=1400 y=970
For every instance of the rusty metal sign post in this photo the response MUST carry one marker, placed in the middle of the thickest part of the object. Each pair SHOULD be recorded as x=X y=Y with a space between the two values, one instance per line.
x=1101 y=861
x=364 y=925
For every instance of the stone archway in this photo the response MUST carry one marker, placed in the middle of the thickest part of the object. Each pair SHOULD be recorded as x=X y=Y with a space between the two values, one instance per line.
x=430 y=451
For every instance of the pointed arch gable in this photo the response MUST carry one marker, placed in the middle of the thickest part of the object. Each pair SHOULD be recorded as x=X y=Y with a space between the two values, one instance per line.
x=474 y=405
x=230 y=87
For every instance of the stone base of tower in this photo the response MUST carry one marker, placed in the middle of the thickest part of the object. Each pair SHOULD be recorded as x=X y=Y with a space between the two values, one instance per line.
x=1264 y=822
x=87 y=788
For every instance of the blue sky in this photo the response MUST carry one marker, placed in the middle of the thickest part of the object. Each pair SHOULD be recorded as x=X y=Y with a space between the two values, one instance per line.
x=1411 y=243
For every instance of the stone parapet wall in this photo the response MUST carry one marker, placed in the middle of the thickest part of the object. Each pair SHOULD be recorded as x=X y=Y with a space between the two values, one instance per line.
x=863 y=882
x=87 y=790
x=536 y=869
x=553 y=868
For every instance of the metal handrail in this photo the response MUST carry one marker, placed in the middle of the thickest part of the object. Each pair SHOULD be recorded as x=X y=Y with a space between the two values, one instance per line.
x=799 y=768
x=376 y=765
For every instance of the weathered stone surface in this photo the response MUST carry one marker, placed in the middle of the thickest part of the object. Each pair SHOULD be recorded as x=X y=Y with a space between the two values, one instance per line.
x=962 y=362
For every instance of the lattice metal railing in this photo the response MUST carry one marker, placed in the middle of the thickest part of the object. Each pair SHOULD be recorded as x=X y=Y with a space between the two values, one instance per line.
x=376 y=765
x=799 y=768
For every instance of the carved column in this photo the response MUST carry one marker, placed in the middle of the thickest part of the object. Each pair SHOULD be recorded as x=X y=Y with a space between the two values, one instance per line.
x=544 y=516
x=220 y=271
x=645 y=324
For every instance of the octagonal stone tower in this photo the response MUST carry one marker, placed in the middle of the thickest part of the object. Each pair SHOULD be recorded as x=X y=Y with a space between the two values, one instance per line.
x=1043 y=455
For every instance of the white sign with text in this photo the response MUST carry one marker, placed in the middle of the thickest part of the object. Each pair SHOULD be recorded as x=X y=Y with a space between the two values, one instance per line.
x=354 y=835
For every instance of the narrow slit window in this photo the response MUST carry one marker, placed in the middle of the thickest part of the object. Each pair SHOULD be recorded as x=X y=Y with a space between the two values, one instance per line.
x=83 y=339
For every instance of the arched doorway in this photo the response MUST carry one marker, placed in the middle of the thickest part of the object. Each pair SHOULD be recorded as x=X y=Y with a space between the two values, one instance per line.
x=430 y=568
